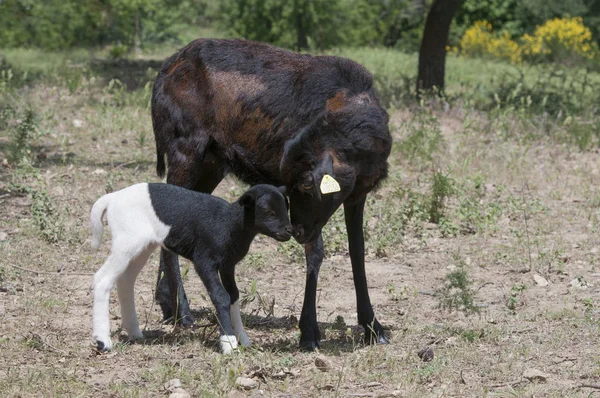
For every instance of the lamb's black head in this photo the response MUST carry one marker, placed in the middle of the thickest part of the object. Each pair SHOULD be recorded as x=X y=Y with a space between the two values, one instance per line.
x=267 y=208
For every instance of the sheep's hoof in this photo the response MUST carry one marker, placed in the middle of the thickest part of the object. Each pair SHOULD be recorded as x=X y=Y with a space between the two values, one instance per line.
x=186 y=321
x=379 y=339
x=375 y=335
x=309 y=345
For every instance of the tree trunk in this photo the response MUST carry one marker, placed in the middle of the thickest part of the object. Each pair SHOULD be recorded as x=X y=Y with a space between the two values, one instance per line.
x=301 y=39
x=432 y=56
x=138 y=34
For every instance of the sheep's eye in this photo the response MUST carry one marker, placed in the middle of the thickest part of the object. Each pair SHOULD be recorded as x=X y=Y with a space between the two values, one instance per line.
x=306 y=186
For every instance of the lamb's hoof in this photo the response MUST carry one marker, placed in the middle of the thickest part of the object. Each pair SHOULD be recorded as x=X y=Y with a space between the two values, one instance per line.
x=228 y=344
x=101 y=347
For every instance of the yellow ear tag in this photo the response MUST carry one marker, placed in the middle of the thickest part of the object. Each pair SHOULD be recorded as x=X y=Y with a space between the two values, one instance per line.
x=329 y=185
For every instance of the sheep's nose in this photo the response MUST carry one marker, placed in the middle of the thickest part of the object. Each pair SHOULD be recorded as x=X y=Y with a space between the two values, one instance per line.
x=289 y=229
x=298 y=231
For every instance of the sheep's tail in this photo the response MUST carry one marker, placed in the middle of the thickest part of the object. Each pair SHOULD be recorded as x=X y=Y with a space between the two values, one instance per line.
x=96 y=220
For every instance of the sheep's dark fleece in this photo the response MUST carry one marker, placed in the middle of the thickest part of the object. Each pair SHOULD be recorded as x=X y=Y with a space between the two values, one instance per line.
x=273 y=116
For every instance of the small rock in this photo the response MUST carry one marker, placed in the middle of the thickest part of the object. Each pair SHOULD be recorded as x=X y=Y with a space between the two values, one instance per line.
x=179 y=393
x=58 y=191
x=99 y=172
x=172 y=384
x=77 y=123
x=390 y=394
x=536 y=375
x=246 y=383
x=328 y=387
x=8 y=288
x=426 y=354
x=579 y=283
x=540 y=280
x=3 y=236
x=124 y=141
x=322 y=364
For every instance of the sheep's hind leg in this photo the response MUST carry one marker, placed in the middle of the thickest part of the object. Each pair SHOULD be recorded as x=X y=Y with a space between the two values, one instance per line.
x=125 y=289
x=104 y=280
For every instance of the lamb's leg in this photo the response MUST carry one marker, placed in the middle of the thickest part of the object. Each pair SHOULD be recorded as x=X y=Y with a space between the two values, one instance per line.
x=104 y=280
x=125 y=288
x=202 y=171
x=220 y=299
x=228 y=279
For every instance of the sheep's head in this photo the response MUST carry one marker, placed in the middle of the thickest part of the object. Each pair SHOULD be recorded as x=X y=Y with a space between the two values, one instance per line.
x=318 y=183
x=335 y=158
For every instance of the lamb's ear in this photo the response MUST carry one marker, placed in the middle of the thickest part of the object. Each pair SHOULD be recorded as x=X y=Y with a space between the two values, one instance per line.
x=248 y=199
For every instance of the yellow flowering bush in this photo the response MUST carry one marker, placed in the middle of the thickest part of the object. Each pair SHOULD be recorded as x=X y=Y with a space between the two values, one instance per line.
x=481 y=41
x=559 y=40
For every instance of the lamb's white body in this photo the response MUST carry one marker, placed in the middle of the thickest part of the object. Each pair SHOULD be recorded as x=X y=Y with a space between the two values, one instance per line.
x=136 y=233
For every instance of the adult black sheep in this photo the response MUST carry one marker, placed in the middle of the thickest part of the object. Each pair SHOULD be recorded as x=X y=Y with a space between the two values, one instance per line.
x=268 y=115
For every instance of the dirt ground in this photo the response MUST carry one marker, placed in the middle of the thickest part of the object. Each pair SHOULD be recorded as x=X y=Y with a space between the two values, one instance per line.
x=534 y=270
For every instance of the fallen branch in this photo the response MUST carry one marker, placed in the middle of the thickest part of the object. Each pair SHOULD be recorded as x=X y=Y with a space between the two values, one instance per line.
x=51 y=272
x=507 y=384
x=594 y=386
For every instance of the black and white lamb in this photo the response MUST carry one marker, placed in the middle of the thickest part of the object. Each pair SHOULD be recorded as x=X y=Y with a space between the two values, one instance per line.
x=212 y=233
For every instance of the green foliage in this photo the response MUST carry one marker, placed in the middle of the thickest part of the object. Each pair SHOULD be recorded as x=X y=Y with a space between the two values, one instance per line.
x=549 y=90
x=21 y=135
x=45 y=216
x=424 y=137
x=292 y=24
x=518 y=17
x=442 y=187
x=513 y=300
x=322 y=24
x=456 y=292
x=60 y=24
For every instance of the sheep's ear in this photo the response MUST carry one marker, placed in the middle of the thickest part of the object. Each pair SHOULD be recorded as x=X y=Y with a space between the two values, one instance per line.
x=298 y=152
x=248 y=199
x=282 y=189
x=323 y=177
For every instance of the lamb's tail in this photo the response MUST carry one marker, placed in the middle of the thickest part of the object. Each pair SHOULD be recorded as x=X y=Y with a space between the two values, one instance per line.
x=96 y=220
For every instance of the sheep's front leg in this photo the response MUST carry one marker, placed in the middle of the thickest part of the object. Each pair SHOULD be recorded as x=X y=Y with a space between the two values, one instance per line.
x=221 y=301
x=310 y=335
x=228 y=279
x=353 y=213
